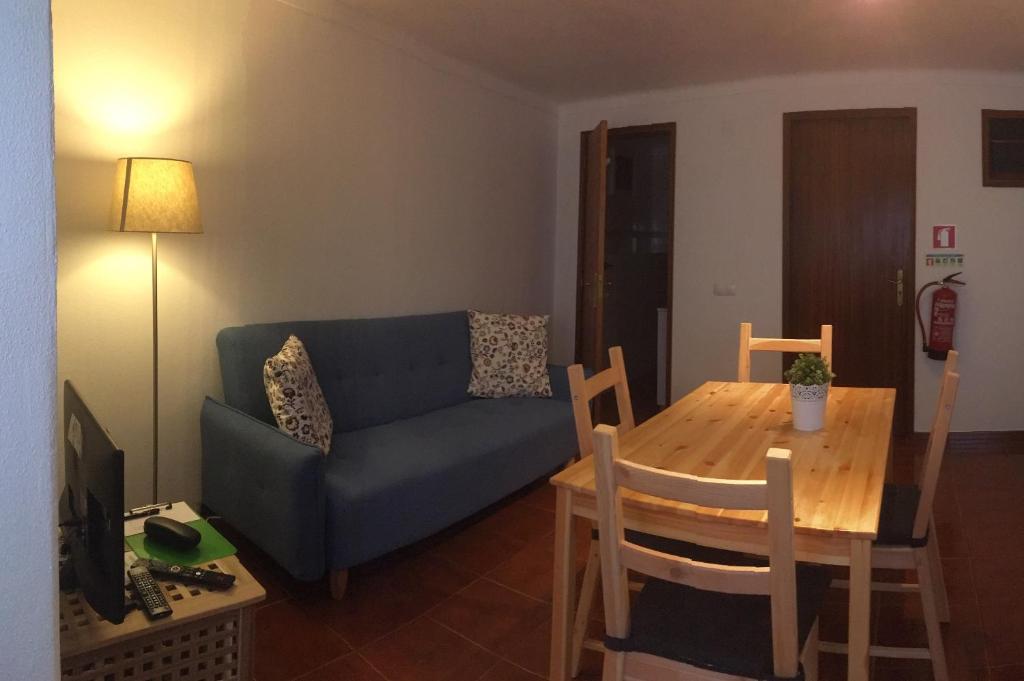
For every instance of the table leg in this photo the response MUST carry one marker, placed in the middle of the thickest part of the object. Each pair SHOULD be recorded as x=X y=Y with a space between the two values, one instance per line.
x=860 y=610
x=563 y=594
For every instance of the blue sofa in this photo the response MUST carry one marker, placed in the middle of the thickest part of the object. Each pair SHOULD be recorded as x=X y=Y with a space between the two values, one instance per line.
x=411 y=454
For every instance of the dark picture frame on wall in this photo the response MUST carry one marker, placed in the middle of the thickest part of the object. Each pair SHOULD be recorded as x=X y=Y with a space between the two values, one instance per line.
x=1002 y=148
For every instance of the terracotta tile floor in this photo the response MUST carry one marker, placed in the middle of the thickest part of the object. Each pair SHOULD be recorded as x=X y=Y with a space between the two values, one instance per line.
x=474 y=602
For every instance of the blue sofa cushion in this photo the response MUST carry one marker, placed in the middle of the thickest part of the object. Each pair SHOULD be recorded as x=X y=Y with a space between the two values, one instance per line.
x=391 y=485
x=371 y=371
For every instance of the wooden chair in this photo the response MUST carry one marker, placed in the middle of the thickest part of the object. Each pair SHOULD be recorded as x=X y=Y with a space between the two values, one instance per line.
x=583 y=390
x=907 y=541
x=748 y=344
x=698 y=620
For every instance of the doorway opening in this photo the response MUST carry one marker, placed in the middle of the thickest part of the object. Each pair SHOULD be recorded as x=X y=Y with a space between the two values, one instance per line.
x=624 y=265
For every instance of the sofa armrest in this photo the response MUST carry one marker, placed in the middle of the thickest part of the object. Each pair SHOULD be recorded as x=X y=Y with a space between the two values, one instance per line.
x=559 y=376
x=267 y=485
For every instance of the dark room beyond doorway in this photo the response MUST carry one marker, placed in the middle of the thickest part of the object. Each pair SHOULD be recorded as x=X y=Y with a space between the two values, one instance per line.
x=624 y=282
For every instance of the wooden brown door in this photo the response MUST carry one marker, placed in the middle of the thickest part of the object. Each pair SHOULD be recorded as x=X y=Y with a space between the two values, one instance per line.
x=590 y=277
x=849 y=180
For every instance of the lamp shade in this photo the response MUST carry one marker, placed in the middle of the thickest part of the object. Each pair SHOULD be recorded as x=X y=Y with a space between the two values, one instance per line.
x=155 y=195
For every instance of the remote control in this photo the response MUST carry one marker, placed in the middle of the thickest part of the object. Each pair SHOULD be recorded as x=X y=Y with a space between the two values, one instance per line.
x=151 y=596
x=211 y=579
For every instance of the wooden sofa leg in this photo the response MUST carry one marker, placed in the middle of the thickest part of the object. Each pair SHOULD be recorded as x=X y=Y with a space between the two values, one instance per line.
x=339 y=582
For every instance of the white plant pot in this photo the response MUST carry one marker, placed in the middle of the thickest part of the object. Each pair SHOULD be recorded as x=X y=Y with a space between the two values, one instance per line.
x=809 y=403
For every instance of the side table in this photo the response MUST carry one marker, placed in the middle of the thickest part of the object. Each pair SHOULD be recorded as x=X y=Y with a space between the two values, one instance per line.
x=208 y=637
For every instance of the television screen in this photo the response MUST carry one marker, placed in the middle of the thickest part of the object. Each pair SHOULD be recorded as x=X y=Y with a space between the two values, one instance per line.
x=92 y=508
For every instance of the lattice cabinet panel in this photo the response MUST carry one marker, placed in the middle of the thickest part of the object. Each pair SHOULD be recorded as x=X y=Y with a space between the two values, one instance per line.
x=207 y=638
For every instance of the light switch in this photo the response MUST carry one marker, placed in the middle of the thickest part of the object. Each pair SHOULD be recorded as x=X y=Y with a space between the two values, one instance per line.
x=724 y=289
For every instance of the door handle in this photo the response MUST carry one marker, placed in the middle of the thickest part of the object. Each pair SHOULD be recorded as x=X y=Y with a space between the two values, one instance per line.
x=899 y=287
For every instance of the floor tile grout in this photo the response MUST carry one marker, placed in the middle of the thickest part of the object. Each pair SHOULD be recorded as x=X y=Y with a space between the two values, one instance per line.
x=499 y=656
x=424 y=614
x=372 y=666
x=465 y=638
x=542 y=601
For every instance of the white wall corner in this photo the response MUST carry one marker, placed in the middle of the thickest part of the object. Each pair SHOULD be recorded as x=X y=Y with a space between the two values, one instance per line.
x=28 y=647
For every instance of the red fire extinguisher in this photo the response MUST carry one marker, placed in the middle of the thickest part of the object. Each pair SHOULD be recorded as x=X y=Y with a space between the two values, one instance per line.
x=939 y=340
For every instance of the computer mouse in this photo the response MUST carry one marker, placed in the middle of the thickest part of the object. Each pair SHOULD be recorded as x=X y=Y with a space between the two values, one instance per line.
x=171 y=533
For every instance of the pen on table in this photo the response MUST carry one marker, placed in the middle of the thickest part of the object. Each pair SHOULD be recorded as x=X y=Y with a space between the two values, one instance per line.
x=145 y=507
x=141 y=514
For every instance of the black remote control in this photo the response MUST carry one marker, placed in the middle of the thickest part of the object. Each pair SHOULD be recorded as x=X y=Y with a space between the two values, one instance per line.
x=211 y=579
x=151 y=596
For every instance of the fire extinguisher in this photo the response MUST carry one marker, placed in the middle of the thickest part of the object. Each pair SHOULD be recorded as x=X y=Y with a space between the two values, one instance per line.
x=939 y=340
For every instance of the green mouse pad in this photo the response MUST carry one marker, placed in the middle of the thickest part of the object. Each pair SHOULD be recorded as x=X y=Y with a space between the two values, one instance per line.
x=212 y=546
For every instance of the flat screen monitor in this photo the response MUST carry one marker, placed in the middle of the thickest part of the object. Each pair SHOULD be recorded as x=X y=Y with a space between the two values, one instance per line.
x=92 y=508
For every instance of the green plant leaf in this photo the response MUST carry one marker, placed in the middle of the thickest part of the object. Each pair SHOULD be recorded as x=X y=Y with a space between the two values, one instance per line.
x=809 y=369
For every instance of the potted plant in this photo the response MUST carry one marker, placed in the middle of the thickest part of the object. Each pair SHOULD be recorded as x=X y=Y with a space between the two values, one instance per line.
x=809 y=378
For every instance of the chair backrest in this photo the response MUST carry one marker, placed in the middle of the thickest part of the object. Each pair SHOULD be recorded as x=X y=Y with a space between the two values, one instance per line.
x=618 y=555
x=583 y=390
x=748 y=344
x=936 y=448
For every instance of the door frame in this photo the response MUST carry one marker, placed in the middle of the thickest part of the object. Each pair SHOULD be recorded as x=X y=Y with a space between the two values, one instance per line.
x=909 y=341
x=630 y=131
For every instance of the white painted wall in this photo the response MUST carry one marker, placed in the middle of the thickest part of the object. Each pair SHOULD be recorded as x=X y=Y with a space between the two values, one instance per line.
x=729 y=221
x=342 y=170
x=28 y=520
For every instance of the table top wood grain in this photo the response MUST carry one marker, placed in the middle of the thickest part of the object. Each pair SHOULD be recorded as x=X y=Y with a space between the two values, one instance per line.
x=724 y=430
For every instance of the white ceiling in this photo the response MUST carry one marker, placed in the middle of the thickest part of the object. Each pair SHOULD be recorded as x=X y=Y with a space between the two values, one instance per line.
x=574 y=49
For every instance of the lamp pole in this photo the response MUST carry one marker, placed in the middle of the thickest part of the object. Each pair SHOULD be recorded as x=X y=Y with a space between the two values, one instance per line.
x=156 y=377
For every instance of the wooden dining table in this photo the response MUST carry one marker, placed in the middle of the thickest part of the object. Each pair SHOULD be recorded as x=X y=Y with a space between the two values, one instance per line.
x=724 y=430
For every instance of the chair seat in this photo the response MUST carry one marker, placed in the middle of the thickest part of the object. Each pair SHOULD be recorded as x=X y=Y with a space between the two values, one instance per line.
x=896 y=521
x=725 y=633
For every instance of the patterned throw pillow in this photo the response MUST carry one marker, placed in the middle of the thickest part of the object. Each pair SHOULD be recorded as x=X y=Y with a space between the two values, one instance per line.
x=295 y=396
x=510 y=355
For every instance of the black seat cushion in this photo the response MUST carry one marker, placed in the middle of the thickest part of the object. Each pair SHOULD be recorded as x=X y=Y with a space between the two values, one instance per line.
x=896 y=522
x=726 y=633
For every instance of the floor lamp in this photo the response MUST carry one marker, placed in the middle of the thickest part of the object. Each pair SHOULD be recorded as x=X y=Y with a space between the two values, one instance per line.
x=155 y=195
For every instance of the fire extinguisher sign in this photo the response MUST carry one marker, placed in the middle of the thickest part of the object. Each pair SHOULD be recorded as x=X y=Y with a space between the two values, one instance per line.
x=944 y=236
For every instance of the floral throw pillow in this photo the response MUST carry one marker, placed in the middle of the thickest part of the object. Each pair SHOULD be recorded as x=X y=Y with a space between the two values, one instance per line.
x=510 y=355
x=295 y=397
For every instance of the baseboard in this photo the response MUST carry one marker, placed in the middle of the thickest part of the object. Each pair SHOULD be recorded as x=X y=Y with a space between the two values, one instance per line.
x=1002 y=441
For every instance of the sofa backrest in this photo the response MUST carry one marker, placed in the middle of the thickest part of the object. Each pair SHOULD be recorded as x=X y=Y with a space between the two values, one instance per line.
x=372 y=371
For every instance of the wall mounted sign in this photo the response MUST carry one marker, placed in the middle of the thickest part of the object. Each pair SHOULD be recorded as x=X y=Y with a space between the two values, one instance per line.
x=944 y=259
x=944 y=236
